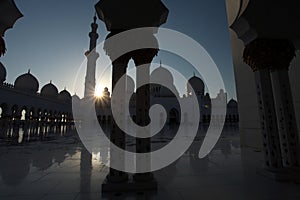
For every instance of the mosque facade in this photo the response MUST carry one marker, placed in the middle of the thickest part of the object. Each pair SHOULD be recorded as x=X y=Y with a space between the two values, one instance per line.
x=23 y=105
x=169 y=100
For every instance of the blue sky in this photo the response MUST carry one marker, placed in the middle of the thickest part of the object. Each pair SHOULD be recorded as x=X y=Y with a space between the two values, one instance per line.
x=52 y=37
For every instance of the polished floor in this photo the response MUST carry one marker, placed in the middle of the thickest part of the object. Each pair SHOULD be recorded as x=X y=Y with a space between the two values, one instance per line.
x=60 y=169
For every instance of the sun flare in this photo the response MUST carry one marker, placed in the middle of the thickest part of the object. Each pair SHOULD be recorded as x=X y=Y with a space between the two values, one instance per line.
x=99 y=91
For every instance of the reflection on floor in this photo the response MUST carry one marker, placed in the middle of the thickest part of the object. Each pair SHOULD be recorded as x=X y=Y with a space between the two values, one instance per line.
x=62 y=169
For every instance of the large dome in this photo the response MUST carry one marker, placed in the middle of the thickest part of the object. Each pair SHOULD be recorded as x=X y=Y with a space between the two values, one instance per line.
x=27 y=82
x=197 y=84
x=2 y=73
x=49 y=90
x=64 y=95
x=160 y=74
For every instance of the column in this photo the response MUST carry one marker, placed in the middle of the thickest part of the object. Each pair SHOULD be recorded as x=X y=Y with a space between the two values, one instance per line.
x=254 y=57
x=273 y=56
x=143 y=59
x=117 y=136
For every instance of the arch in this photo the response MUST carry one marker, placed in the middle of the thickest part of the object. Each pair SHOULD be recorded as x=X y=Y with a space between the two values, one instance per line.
x=31 y=113
x=14 y=111
x=23 y=113
x=39 y=114
x=4 y=109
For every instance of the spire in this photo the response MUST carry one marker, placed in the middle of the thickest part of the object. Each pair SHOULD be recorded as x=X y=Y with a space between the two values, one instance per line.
x=93 y=34
x=95 y=18
x=92 y=57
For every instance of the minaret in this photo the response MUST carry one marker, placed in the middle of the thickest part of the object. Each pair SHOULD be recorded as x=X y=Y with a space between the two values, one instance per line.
x=92 y=57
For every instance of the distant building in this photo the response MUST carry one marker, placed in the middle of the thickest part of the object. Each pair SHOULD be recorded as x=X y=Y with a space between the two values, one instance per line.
x=22 y=105
x=165 y=97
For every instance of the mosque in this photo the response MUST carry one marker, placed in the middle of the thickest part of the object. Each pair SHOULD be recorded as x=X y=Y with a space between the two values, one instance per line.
x=165 y=97
x=23 y=105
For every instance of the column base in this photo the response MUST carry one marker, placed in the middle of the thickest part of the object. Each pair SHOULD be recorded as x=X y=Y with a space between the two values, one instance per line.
x=286 y=174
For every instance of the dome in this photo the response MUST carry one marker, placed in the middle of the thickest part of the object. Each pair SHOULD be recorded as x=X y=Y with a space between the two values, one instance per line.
x=232 y=103
x=49 y=90
x=64 y=95
x=197 y=84
x=106 y=92
x=27 y=82
x=162 y=73
x=75 y=98
x=2 y=73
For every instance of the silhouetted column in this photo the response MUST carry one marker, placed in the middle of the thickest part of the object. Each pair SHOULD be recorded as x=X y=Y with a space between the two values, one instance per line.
x=117 y=136
x=143 y=59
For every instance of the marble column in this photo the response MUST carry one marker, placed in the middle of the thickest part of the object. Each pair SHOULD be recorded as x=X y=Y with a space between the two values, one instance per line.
x=270 y=59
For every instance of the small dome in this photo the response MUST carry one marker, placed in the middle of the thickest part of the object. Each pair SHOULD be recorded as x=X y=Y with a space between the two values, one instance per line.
x=49 y=90
x=27 y=82
x=64 y=95
x=197 y=84
x=2 y=73
x=232 y=103
x=75 y=98
x=106 y=92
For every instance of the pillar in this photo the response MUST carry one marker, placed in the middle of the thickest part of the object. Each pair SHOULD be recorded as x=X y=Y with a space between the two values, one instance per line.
x=143 y=59
x=117 y=136
x=270 y=59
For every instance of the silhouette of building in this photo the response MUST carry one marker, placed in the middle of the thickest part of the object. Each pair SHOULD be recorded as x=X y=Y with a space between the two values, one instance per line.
x=169 y=100
x=22 y=104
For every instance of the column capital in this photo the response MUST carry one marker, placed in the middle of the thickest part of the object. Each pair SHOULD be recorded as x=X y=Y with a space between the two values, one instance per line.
x=144 y=56
x=270 y=54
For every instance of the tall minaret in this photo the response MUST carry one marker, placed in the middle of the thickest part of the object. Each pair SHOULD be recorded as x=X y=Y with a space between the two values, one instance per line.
x=92 y=57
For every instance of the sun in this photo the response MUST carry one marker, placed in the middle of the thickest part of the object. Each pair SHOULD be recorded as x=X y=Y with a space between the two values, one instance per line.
x=98 y=91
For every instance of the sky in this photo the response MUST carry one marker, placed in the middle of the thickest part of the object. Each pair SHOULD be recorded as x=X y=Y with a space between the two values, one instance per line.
x=52 y=37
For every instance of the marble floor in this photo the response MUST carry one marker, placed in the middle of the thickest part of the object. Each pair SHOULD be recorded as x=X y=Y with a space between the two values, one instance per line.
x=61 y=169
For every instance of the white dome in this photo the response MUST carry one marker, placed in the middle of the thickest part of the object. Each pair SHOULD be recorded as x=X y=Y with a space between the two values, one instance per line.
x=64 y=95
x=197 y=84
x=162 y=73
x=2 y=73
x=49 y=90
x=27 y=82
x=75 y=98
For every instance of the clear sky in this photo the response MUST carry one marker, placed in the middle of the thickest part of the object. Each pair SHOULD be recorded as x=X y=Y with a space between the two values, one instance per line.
x=52 y=37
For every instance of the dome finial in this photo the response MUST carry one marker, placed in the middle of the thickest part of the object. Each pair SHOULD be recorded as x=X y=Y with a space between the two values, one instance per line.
x=65 y=88
x=51 y=81
x=28 y=71
x=194 y=74
x=160 y=64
